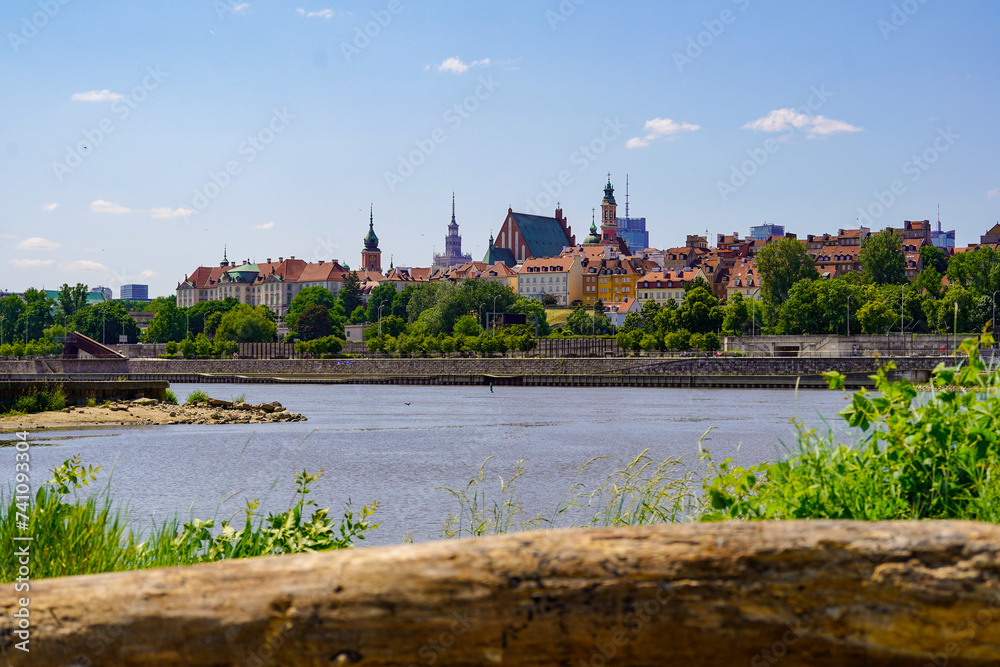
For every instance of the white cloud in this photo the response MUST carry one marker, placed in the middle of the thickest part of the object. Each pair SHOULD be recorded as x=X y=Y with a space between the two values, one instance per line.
x=321 y=14
x=780 y=120
x=266 y=225
x=168 y=213
x=456 y=66
x=992 y=194
x=83 y=265
x=96 y=96
x=37 y=243
x=660 y=128
x=147 y=274
x=240 y=8
x=30 y=263
x=101 y=206
x=49 y=207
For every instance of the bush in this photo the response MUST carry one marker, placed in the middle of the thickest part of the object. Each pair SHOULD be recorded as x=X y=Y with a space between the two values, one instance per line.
x=49 y=398
x=170 y=398
x=170 y=348
x=320 y=347
x=920 y=457
x=196 y=396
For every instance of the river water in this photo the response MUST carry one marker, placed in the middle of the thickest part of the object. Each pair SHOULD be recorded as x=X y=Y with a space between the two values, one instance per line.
x=400 y=445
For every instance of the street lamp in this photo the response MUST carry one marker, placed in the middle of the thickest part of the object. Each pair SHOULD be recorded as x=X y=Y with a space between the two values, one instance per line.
x=494 y=315
x=380 y=319
x=954 y=342
x=753 y=312
x=848 y=315
x=902 y=292
x=994 y=313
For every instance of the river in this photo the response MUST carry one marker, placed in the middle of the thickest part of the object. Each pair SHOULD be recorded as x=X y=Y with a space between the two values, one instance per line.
x=400 y=445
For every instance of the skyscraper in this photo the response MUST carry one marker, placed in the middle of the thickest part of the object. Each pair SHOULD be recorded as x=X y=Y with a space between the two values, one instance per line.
x=452 y=245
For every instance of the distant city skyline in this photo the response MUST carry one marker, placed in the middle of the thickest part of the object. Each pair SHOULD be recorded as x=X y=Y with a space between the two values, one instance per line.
x=272 y=128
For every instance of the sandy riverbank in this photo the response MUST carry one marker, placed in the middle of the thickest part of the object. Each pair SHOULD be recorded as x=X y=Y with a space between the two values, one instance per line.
x=146 y=412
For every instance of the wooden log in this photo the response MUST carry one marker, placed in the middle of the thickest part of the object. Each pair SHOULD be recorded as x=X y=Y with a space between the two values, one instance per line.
x=789 y=593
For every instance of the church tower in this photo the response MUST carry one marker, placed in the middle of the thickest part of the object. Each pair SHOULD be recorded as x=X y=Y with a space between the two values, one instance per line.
x=609 y=215
x=371 y=256
x=453 y=242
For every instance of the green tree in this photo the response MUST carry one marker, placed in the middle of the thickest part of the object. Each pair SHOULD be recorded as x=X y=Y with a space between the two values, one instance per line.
x=169 y=324
x=580 y=322
x=935 y=258
x=929 y=281
x=467 y=325
x=247 y=324
x=199 y=313
x=105 y=322
x=314 y=322
x=782 y=264
x=72 y=299
x=882 y=259
x=978 y=270
x=382 y=297
x=700 y=312
x=633 y=322
x=308 y=296
x=350 y=293
x=735 y=315
x=533 y=308
x=12 y=319
x=876 y=318
x=648 y=313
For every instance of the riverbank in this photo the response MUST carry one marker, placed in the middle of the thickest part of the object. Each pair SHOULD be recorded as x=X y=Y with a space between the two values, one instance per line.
x=147 y=412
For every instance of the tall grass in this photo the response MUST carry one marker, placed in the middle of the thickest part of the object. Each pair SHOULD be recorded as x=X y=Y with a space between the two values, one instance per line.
x=196 y=396
x=642 y=491
x=89 y=534
x=37 y=400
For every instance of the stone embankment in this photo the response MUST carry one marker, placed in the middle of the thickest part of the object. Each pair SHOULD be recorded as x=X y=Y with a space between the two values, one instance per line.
x=150 y=412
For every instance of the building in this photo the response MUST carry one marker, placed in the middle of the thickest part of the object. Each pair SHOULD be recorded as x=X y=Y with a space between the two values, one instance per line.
x=134 y=293
x=618 y=311
x=663 y=286
x=452 y=245
x=561 y=277
x=609 y=215
x=523 y=237
x=992 y=237
x=761 y=232
x=371 y=256
x=105 y=291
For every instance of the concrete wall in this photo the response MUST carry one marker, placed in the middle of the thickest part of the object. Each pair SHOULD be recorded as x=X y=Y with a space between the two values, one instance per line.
x=842 y=346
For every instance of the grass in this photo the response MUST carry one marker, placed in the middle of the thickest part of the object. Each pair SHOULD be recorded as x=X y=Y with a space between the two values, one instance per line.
x=241 y=398
x=44 y=400
x=556 y=316
x=170 y=397
x=74 y=534
x=196 y=396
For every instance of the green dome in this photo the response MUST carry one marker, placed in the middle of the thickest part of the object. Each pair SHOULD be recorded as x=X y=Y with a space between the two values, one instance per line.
x=371 y=241
x=593 y=238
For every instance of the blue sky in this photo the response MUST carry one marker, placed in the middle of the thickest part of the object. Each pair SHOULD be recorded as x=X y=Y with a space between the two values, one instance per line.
x=140 y=138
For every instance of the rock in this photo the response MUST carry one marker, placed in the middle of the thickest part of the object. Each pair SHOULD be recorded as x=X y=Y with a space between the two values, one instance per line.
x=173 y=414
x=145 y=401
x=266 y=407
x=219 y=403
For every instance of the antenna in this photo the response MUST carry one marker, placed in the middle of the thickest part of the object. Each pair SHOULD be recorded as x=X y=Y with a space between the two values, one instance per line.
x=626 y=197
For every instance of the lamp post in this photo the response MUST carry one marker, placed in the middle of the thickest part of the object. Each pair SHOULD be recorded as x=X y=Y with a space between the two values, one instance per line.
x=495 y=315
x=994 y=323
x=848 y=315
x=753 y=312
x=902 y=292
x=380 y=319
x=954 y=342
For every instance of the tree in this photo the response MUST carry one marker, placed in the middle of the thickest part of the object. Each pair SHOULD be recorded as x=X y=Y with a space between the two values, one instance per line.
x=350 y=293
x=467 y=325
x=37 y=314
x=169 y=324
x=700 y=312
x=929 y=281
x=696 y=283
x=381 y=297
x=934 y=257
x=72 y=299
x=12 y=319
x=781 y=265
x=882 y=259
x=979 y=270
x=549 y=300
x=876 y=318
x=199 y=313
x=533 y=308
x=247 y=324
x=314 y=322
x=633 y=322
x=306 y=297
x=105 y=322
x=580 y=322
x=735 y=315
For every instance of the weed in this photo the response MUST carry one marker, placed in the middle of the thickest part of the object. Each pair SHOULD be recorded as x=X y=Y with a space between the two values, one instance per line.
x=196 y=396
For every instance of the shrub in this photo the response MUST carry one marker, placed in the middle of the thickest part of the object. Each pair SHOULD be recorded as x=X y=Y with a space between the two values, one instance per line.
x=170 y=397
x=196 y=396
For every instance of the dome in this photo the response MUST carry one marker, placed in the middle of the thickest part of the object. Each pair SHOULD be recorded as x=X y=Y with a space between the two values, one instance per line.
x=371 y=240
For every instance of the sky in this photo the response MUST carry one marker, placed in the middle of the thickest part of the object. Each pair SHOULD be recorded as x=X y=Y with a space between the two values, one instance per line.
x=139 y=141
